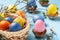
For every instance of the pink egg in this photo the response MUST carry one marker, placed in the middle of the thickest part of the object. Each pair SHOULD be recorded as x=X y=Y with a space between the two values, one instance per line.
x=39 y=26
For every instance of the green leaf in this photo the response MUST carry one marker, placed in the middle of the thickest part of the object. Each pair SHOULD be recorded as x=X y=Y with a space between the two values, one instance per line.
x=44 y=15
x=57 y=8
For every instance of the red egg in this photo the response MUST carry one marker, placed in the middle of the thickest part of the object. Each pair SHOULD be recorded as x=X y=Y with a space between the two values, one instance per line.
x=4 y=25
x=21 y=13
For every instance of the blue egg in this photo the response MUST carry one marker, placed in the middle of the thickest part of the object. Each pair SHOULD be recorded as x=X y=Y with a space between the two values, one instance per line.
x=38 y=17
x=9 y=19
x=31 y=3
x=14 y=27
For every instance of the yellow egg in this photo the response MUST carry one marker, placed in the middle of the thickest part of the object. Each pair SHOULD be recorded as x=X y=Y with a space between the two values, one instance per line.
x=19 y=20
x=52 y=9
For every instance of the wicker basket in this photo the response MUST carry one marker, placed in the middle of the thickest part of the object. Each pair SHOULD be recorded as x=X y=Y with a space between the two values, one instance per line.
x=19 y=35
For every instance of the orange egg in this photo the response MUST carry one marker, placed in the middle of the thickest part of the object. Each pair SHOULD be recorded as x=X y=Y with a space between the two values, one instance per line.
x=4 y=25
x=21 y=13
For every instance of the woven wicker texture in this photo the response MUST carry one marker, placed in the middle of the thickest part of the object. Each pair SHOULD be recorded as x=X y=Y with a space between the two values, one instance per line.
x=19 y=35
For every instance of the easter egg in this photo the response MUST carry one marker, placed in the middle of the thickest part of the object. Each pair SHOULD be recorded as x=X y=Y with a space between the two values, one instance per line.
x=31 y=3
x=38 y=17
x=20 y=20
x=34 y=4
x=39 y=26
x=14 y=27
x=4 y=25
x=52 y=9
x=9 y=19
x=21 y=13
x=39 y=29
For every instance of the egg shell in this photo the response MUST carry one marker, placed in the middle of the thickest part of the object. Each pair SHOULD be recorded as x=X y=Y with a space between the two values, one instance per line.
x=39 y=26
x=38 y=17
x=14 y=27
x=20 y=20
x=9 y=19
x=52 y=9
x=31 y=3
x=21 y=13
x=4 y=25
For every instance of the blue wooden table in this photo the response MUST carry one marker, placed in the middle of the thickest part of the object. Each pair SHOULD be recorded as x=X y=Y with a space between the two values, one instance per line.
x=50 y=23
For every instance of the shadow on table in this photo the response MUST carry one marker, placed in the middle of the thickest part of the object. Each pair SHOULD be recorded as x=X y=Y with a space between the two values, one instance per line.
x=57 y=19
x=46 y=25
x=36 y=38
x=37 y=12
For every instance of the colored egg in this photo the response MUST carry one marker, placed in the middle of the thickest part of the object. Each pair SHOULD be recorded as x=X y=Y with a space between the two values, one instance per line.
x=21 y=13
x=38 y=17
x=4 y=25
x=39 y=26
x=14 y=27
x=52 y=9
x=31 y=3
x=20 y=20
x=9 y=19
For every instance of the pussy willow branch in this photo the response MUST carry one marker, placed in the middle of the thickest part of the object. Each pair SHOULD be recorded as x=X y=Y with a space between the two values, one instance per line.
x=18 y=2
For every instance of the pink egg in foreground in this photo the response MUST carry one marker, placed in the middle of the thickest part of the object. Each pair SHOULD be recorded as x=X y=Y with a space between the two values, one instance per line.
x=39 y=26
